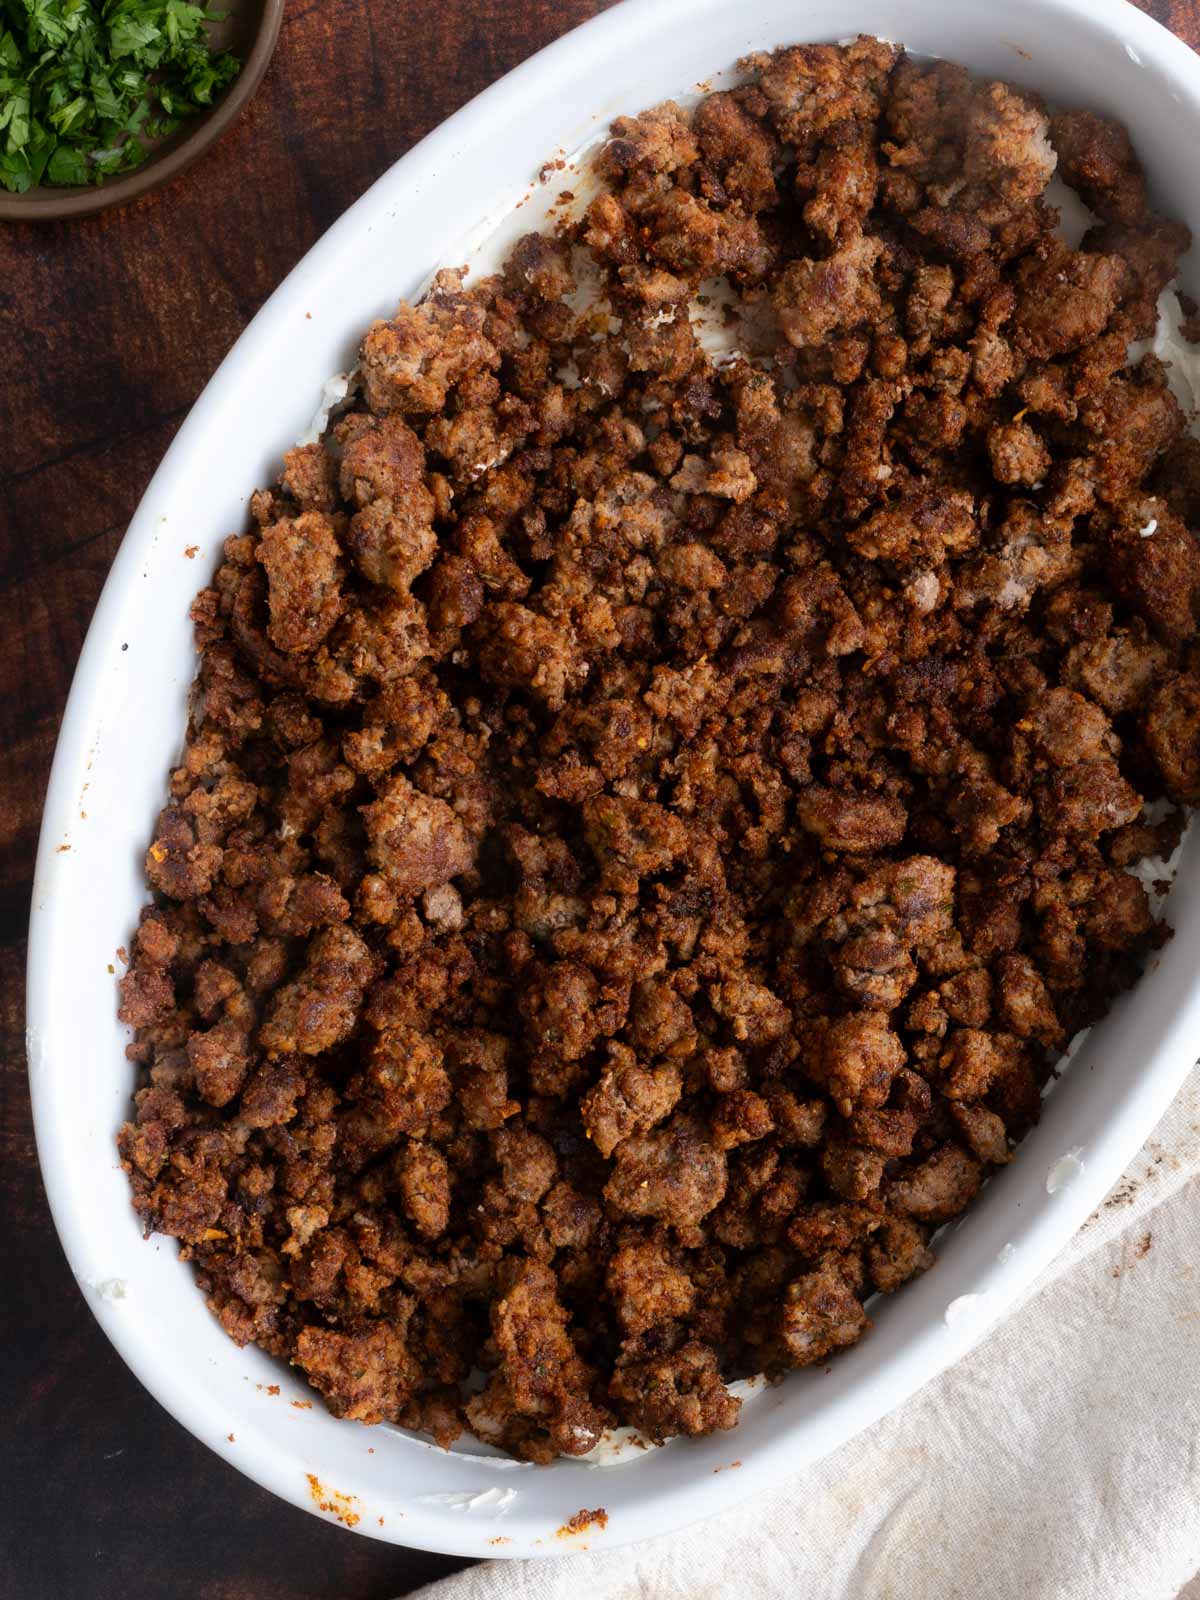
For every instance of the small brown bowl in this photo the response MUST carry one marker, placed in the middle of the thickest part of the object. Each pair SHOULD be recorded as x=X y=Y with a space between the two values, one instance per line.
x=250 y=28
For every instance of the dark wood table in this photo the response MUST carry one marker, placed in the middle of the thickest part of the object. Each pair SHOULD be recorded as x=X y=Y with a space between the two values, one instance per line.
x=109 y=328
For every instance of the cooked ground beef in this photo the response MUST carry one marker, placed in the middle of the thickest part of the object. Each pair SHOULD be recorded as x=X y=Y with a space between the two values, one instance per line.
x=648 y=826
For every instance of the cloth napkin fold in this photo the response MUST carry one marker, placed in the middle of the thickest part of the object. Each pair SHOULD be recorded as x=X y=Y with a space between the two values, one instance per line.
x=1060 y=1460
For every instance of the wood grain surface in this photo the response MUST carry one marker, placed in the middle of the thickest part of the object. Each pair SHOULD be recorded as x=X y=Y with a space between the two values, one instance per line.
x=109 y=328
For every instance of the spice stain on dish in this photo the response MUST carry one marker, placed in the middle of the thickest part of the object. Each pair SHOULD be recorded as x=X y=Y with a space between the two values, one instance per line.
x=583 y=1522
x=343 y=1507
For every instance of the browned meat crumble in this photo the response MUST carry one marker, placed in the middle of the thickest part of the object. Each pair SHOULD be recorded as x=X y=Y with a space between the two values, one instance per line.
x=648 y=828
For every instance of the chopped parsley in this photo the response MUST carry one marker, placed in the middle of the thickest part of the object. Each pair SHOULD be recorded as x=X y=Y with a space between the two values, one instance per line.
x=84 y=83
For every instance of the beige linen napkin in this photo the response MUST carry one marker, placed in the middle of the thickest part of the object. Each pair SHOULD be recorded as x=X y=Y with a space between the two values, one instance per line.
x=1060 y=1460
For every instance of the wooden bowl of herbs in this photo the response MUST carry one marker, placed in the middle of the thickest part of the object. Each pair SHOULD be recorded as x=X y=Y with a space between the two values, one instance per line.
x=102 y=100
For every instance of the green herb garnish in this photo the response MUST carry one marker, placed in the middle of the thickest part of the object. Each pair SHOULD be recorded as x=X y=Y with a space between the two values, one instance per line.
x=83 y=83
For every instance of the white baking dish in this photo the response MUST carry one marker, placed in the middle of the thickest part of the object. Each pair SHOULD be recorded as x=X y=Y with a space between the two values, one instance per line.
x=123 y=727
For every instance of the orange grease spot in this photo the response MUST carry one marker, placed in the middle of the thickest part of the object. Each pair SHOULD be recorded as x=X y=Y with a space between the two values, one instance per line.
x=337 y=1505
x=582 y=1521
